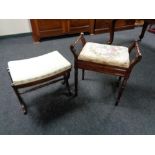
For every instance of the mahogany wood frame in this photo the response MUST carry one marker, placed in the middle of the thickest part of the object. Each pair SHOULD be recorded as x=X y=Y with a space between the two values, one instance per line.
x=93 y=26
x=122 y=73
x=65 y=74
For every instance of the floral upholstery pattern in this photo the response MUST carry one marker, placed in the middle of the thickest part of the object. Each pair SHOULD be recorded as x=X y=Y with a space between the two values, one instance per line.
x=37 y=68
x=105 y=54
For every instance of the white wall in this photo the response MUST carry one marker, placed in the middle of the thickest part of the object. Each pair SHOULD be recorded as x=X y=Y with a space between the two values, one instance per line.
x=14 y=26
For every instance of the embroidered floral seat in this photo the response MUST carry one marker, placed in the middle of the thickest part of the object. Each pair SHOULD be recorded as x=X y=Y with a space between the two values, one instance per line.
x=105 y=54
x=103 y=58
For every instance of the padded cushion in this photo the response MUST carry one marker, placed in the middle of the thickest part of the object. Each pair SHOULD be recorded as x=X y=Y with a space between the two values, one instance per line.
x=105 y=54
x=37 y=68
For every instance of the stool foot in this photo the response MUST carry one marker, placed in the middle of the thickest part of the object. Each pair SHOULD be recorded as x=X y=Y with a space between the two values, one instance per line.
x=23 y=105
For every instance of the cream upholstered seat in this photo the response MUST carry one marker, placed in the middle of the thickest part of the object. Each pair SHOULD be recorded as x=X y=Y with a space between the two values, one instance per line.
x=37 y=68
x=105 y=54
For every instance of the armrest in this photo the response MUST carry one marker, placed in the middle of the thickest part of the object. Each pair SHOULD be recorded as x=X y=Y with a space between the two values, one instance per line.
x=72 y=46
x=138 y=56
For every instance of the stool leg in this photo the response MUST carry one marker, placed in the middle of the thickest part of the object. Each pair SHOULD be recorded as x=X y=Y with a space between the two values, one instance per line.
x=64 y=81
x=76 y=81
x=119 y=80
x=124 y=82
x=23 y=105
x=67 y=83
x=83 y=71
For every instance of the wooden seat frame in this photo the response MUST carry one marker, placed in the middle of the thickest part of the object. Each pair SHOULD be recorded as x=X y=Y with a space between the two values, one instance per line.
x=65 y=74
x=122 y=73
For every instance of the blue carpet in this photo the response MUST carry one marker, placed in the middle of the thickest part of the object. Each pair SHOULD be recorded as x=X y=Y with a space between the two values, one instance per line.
x=93 y=112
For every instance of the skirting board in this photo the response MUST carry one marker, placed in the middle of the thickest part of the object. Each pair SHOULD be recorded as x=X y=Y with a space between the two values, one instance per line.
x=16 y=35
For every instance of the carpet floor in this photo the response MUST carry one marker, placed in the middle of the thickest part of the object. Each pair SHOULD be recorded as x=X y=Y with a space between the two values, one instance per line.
x=92 y=112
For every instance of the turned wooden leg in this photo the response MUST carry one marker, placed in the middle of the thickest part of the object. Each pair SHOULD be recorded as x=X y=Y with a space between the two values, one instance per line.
x=67 y=83
x=119 y=80
x=64 y=81
x=76 y=81
x=143 y=30
x=112 y=29
x=23 y=105
x=124 y=82
x=83 y=71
